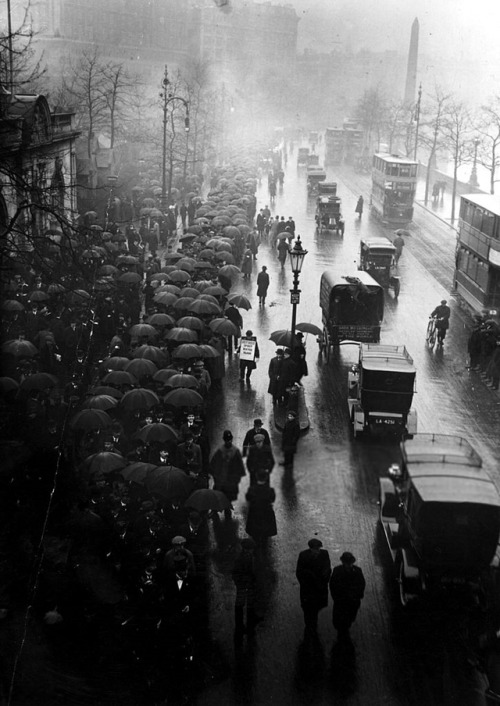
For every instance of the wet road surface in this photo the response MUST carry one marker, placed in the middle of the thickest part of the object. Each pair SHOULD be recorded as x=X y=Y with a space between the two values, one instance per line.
x=333 y=490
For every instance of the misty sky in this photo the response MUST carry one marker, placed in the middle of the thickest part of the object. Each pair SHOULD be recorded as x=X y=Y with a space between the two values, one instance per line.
x=455 y=28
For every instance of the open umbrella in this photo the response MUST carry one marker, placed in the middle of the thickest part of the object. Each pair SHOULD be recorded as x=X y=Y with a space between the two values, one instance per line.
x=118 y=377
x=183 y=303
x=281 y=337
x=188 y=237
x=140 y=398
x=203 y=307
x=240 y=301
x=8 y=385
x=105 y=462
x=182 y=335
x=164 y=374
x=169 y=483
x=187 y=263
x=402 y=231
x=103 y=402
x=116 y=362
x=165 y=298
x=182 y=380
x=183 y=397
x=127 y=260
x=38 y=381
x=179 y=276
x=12 y=305
x=207 y=351
x=224 y=327
x=160 y=320
x=189 y=292
x=151 y=353
x=191 y=322
x=172 y=257
x=159 y=277
x=136 y=472
x=230 y=270
x=170 y=288
x=140 y=330
x=106 y=390
x=306 y=327
x=207 y=499
x=90 y=419
x=130 y=278
x=20 y=348
x=208 y=298
x=157 y=433
x=187 y=351
x=140 y=367
x=215 y=290
x=38 y=296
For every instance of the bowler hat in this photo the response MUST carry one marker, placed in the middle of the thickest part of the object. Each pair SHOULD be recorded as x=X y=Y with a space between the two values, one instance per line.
x=179 y=540
x=347 y=558
x=257 y=422
x=315 y=543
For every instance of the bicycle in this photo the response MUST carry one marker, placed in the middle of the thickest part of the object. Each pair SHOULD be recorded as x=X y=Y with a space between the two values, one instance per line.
x=431 y=332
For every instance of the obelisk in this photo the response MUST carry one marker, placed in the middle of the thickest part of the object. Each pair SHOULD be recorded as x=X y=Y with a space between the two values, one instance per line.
x=411 y=70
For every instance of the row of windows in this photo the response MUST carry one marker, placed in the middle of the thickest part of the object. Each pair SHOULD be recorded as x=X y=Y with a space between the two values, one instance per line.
x=473 y=267
x=485 y=221
x=394 y=168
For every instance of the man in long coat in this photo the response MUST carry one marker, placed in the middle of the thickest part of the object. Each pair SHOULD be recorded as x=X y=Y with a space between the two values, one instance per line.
x=227 y=468
x=274 y=372
x=313 y=572
x=347 y=588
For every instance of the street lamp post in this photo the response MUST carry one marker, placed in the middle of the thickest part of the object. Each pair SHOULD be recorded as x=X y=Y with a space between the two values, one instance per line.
x=473 y=176
x=169 y=98
x=297 y=255
x=112 y=179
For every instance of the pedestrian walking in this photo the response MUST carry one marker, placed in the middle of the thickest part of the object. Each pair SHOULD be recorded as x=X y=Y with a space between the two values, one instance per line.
x=253 y=244
x=289 y=375
x=227 y=469
x=274 y=372
x=283 y=249
x=249 y=439
x=289 y=440
x=261 y=520
x=246 y=265
x=399 y=244
x=313 y=573
x=260 y=457
x=249 y=355
x=262 y=285
x=233 y=315
x=359 y=206
x=347 y=588
x=245 y=580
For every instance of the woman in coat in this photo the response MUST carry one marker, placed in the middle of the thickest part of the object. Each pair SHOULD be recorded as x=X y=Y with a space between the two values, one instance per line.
x=261 y=520
x=246 y=265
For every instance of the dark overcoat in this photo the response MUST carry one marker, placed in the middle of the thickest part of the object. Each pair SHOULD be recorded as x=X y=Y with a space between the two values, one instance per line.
x=313 y=571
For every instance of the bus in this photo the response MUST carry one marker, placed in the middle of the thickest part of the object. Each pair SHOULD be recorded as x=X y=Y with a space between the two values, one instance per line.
x=394 y=182
x=477 y=262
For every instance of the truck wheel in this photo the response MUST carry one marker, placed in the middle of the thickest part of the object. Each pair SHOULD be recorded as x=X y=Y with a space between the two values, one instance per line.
x=397 y=287
x=327 y=344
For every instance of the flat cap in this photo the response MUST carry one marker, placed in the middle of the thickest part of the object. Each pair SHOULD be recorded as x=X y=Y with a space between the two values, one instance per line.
x=315 y=543
x=348 y=558
x=179 y=540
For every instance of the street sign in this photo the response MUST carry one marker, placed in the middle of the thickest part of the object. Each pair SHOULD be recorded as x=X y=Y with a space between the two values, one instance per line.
x=294 y=297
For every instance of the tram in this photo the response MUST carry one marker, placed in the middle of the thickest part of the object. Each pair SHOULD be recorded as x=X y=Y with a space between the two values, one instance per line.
x=477 y=270
x=394 y=182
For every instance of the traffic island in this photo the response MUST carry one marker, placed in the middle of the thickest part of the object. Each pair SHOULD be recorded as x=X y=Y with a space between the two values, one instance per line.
x=296 y=403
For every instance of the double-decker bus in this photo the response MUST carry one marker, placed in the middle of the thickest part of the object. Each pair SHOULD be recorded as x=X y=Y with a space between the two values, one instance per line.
x=477 y=267
x=394 y=182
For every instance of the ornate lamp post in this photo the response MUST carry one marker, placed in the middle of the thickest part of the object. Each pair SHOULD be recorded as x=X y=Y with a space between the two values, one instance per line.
x=473 y=176
x=297 y=255
x=112 y=179
x=166 y=192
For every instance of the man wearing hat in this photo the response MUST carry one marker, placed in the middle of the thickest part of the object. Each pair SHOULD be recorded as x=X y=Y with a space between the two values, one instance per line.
x=246 y=364
x=289 y=439
x=227 y=469
x=249 y=439
x=442 y=315
x=313 y=572
x=177 y=553
x=260 y=457
x=347 y=588
x=274 y=372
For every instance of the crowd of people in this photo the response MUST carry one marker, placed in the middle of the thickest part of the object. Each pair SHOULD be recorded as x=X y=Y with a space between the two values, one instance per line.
x=484 y=350
x=110 y=357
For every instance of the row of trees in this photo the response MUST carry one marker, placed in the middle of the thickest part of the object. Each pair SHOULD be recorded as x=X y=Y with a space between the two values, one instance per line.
x=446 y=126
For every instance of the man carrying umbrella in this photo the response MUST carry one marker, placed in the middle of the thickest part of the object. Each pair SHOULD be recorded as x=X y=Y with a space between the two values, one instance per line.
x=235 y=317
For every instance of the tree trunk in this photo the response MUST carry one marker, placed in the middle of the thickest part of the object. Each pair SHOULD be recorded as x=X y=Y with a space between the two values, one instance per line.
x=454 y=189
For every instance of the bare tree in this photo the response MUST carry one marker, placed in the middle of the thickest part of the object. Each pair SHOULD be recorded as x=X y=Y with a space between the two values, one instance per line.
x=371 y=111
x=488 y=127
x=118 y=87
x=457 y=127
x=20 y=70
x=431 y=130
